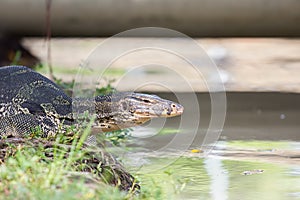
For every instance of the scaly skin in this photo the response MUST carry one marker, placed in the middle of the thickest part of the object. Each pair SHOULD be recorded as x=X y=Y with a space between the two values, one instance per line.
x=28 y=99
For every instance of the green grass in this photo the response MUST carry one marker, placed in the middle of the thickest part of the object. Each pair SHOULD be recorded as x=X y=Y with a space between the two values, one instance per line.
x=34 y=171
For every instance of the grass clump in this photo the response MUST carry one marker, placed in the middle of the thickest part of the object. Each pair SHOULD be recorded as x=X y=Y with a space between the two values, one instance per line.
x=63 y=167
x=28 y=176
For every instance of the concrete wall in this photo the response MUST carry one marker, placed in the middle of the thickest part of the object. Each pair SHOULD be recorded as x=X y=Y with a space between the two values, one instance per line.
x=192 y=17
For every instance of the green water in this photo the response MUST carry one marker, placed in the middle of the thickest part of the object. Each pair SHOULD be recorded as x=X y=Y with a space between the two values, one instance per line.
x=218 y=176
x=212 y=178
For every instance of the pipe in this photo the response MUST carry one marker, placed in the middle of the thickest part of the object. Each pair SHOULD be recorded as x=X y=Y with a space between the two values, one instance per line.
x=198 y=18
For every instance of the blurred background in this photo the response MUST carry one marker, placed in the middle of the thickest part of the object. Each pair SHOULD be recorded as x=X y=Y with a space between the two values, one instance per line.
x=255 y=45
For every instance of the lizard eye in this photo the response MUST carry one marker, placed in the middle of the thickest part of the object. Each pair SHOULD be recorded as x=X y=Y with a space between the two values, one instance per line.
x=146 y=101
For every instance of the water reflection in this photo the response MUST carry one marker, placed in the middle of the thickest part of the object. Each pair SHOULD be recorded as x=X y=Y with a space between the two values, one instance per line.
x=219 y=178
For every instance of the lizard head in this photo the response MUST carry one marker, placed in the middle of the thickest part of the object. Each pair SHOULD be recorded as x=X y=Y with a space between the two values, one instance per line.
x=145 y=106
x=124 y=110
